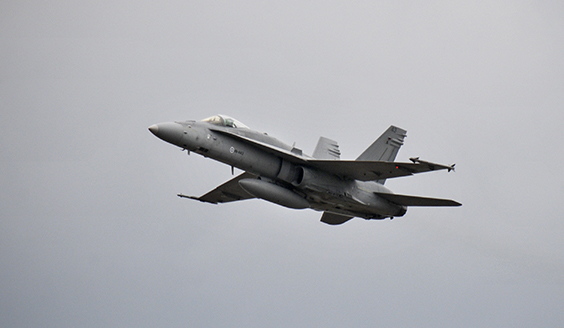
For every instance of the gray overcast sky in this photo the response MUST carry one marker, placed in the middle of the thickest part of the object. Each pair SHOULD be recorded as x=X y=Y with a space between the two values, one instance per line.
x=93 y=235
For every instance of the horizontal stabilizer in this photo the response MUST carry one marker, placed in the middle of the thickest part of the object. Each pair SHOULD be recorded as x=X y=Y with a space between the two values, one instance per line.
x=334 y=219
x=416 y=200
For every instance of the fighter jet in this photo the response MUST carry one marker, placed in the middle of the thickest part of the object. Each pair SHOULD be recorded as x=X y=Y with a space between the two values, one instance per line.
x=284 y=175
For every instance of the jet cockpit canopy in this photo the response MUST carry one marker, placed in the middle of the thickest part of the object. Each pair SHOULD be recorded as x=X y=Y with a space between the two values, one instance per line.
x=224 y=120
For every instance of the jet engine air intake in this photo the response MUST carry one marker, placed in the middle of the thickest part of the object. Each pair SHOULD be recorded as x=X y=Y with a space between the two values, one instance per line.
x=288 y=172
x=304 y=176
x=299 y=176
x=311 y=179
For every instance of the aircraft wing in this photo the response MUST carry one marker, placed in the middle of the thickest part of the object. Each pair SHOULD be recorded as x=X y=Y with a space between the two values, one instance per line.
x=230 y=191
x=375 y=170
x=285 y=154
x=358 y=170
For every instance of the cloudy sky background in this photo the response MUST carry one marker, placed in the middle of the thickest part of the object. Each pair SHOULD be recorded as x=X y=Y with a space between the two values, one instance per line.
x=92 y=233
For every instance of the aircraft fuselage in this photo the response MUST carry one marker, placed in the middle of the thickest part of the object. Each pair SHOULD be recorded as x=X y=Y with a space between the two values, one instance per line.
x=283 y=178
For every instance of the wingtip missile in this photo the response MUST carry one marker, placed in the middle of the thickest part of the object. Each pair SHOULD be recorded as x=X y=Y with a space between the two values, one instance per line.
x=432 y=165
x=194 y=198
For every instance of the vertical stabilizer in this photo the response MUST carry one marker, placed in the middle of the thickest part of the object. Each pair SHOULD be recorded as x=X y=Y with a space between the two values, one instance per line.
x=327 y=149
x=386 y=147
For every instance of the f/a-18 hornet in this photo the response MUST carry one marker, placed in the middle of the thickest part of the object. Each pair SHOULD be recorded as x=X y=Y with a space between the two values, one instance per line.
x=284 y=175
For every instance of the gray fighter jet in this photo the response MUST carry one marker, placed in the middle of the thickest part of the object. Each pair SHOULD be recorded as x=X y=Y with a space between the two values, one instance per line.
x=283 y=174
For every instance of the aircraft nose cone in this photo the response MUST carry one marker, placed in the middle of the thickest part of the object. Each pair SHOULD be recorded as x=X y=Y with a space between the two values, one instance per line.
x=154 y=129
x=169 y=131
